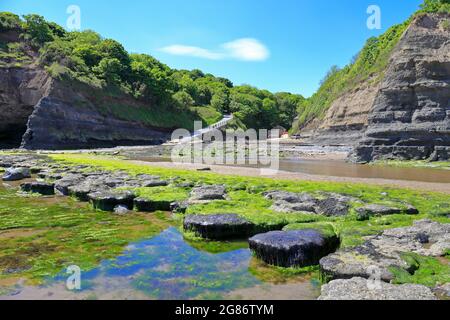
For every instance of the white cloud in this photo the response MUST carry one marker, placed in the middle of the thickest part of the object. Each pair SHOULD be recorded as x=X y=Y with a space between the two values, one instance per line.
x=245 y=49
x=180 y=50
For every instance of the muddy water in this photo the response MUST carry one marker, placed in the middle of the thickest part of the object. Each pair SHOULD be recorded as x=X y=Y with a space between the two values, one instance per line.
x=344 y=169
x=339 y=168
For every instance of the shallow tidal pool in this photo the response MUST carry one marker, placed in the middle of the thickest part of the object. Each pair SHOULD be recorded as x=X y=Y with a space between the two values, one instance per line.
x=167 y=267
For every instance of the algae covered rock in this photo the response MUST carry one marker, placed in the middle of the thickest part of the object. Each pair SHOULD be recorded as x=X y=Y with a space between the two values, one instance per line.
x=218 y=226
x=380 y=254
x=294 y=248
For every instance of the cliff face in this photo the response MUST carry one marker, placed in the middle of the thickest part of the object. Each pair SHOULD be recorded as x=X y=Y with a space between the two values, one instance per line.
x=68 y=118
x=39 y=112
x=406 y=115
x=347 y=119
x=20 y=90
x=410 y=118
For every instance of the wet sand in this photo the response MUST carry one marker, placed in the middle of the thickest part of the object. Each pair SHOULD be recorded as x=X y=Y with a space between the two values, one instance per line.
x=286 y=175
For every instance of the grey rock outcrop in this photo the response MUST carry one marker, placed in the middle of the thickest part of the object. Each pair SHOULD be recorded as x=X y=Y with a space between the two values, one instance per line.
x=410 y=117
x=360 y=289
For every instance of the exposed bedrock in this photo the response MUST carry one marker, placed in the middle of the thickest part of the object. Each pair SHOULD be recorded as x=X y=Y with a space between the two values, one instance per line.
x=360 y=289
x=219 y=226
x=294 y=248
x=410 y=118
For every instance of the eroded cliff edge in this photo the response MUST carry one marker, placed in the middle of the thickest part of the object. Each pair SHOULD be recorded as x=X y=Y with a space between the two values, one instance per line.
x=403 y=113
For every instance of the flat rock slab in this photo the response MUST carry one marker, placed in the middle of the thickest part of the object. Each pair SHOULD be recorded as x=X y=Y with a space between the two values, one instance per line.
x=360 y=289
x=380 y=253
x=328 y=204
x=108 y=201
x=16 y=174
x=382 y=210
x=43 y=188
x=208 y=193
x=297 y=248
x=218 y=226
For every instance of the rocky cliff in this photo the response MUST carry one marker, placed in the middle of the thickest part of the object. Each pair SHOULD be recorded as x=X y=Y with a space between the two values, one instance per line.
x=405 y=115
x=40 y=112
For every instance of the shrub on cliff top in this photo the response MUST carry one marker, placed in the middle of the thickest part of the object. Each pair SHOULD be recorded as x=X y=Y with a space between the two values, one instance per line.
x=9 y=21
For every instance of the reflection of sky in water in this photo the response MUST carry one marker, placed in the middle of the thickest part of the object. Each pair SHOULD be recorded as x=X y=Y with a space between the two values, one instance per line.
x=166 y=267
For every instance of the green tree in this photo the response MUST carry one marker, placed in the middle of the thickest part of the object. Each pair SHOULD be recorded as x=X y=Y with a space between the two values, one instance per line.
x=37 y=29
x=109 y=69
x=183 y=99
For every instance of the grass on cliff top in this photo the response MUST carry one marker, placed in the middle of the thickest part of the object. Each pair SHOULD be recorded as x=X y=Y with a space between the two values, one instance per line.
x=246 y=198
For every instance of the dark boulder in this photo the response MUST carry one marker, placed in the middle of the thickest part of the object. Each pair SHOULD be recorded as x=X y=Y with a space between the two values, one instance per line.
x=15 y=174
x=154 y=183
x=43 y=188
x=297 y=248
x=219 y=226
x=149 y=205
x=108 y=201
x=143 y=205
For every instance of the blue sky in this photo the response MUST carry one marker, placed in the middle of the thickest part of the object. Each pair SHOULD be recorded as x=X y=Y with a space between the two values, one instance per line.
x=280 y=45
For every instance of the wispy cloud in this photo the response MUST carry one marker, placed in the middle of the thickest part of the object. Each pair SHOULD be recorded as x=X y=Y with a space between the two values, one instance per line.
x=245 y=49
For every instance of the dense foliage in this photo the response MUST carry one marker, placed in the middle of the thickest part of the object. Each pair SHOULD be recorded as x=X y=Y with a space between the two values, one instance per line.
x=104 y=63
x=370 y=63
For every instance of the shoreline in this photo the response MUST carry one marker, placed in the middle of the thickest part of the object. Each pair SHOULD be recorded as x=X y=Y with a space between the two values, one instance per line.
x=287 y=175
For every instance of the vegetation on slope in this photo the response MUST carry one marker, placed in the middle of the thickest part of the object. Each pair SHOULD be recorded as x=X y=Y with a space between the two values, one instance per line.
x=105 y=64
x=368 y=64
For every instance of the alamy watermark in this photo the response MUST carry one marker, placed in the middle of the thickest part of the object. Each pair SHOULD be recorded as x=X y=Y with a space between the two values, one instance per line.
x=73 y=282
x=211 y=146
x=73 y=22
x=374 y=20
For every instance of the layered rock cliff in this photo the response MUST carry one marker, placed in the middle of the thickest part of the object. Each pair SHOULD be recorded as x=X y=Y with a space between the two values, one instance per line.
x=410 y=118
x=406 y=114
